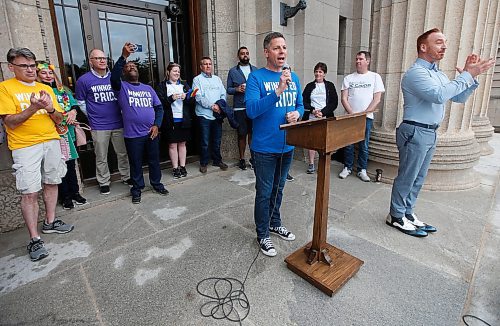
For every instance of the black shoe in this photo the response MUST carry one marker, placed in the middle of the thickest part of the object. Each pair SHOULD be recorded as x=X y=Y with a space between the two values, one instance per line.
x=289 y=177
x=203 y=168
x=184 y=172
x=79 y=200
x=68 y=204
x=403 y=225
x=242 y=164
x=267 y=247
x=104 y=190
x=136 y=199
x=162 y=191
x=223 y=166
x=128 y=182
x=176 y=173
x=251 y=162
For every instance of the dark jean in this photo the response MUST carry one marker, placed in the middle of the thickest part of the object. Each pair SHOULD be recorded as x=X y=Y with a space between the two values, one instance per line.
x=210 y=133
x=270 y=177
x=135 y=151
x=362 y=150
x=68 y=187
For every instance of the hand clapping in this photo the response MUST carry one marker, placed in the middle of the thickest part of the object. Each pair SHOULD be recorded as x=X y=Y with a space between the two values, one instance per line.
x=42 y=101
x=475 y=65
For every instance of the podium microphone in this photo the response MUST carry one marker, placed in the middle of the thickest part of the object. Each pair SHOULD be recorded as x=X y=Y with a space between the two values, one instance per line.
x=286 y=66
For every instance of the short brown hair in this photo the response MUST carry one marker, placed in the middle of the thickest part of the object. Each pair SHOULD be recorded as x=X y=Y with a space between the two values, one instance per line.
x=321 y=66
x=271 y=36
x=367 y=54
x=204 y=58
x=422 y=38
x=170 y=66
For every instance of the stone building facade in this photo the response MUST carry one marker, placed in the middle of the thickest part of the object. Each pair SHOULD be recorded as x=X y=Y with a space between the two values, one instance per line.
x=331 y=31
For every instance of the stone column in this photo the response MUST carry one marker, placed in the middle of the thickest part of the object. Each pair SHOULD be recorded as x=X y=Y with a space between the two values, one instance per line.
x=395 y=29
x=487 y=43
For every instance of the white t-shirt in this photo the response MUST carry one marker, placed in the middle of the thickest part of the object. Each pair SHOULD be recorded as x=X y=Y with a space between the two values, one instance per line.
x=361 y=88
x=177 y=104
x=245 y=70
x=318 y=96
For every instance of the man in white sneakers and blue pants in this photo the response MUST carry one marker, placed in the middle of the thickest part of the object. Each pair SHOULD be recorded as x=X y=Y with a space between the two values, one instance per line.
x=361 y=92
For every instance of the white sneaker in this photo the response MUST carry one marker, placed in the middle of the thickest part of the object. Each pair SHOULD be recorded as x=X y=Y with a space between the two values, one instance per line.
x=345 y=173
x=363 y=176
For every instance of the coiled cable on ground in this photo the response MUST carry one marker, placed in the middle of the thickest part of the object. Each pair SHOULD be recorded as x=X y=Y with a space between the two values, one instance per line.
x=226 y=297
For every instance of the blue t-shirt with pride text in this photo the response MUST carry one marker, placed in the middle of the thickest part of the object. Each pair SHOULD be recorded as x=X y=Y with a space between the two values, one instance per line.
x=268 y=111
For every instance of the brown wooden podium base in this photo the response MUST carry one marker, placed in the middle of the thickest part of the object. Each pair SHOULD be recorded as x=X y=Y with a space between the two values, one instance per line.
x=327 y=278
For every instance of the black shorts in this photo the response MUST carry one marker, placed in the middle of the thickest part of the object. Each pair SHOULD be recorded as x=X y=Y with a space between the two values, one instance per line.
x=245 y=124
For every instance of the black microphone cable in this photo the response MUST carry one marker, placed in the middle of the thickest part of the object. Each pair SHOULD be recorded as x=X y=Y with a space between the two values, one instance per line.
x=473 y=317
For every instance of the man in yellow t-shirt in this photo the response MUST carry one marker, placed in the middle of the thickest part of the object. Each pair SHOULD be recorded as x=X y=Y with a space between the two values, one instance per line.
x=30 y=111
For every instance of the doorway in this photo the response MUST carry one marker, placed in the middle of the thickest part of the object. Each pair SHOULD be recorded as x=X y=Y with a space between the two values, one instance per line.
x=113 y=26
x=160 y=37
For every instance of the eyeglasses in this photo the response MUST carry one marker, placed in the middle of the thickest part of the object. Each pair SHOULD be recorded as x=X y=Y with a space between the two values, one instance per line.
x=25 y=66
x=100 y=58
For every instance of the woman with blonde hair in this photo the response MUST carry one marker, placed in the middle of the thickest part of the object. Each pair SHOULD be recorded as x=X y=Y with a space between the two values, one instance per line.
x=68 y=188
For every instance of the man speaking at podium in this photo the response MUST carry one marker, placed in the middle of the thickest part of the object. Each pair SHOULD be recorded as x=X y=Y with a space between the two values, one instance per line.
x=273 y=97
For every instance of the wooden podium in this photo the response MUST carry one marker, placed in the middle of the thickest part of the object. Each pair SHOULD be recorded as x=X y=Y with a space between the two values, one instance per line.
x=321 y=264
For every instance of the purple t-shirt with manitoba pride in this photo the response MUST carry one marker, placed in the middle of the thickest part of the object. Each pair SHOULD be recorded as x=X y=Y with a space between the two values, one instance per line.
x=137 y=102
x=102 y=107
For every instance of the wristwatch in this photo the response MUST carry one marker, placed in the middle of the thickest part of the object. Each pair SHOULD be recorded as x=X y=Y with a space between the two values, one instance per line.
x=53 y=110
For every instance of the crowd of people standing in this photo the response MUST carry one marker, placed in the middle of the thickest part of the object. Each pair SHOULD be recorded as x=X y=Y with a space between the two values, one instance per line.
x=40 y=118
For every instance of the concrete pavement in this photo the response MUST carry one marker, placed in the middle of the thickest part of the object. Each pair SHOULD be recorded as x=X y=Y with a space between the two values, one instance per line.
x=128 y=264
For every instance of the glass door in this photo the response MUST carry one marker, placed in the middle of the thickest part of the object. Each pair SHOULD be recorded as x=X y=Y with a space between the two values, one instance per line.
x=113 y=26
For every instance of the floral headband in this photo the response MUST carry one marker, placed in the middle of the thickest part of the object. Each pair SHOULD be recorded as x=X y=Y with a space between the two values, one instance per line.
x=41 y=66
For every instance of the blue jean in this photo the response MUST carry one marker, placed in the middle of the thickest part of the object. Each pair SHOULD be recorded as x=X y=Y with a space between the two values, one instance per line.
x=270 y=177
x=362 y=150
x=416 y=147
x=210 y=133
x=135 y=151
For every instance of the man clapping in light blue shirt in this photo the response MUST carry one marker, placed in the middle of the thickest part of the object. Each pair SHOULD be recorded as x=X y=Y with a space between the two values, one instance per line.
x=425 y=92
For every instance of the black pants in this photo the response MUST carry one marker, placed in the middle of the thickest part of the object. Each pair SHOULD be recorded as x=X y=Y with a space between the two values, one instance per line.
x=69 y=185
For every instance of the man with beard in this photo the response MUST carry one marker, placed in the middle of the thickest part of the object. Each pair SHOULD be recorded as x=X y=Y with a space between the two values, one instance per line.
x=425 y=91
x=236 y=85
x=142 y=116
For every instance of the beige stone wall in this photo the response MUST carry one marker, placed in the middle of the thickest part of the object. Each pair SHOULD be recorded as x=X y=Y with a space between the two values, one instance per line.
x=20 y=27
x=494 y=100
x=312 y=36
x=470 y=26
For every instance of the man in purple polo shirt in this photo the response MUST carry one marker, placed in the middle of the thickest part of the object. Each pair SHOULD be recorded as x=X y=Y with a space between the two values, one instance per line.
x=98 y=102
x=142 y=116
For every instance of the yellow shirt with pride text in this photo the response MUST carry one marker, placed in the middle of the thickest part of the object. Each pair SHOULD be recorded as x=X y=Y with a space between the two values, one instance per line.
x=39 y=128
